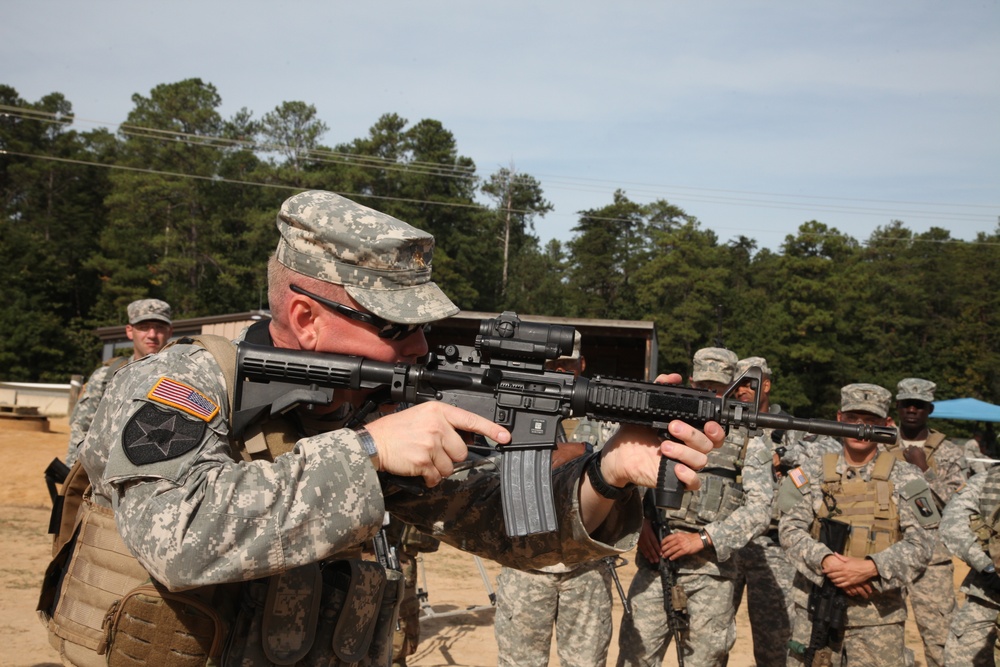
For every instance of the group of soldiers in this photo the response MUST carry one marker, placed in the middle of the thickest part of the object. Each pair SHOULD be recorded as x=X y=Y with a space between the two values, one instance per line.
x=181 y=542
x=756 y=527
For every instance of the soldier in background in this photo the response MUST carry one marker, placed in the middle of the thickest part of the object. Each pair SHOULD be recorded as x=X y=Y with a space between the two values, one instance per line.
x=970 y=528
x=975 y=454
x=733 y=506
x=574 y=599
x=149 y=328
x=764 y=569
x=889 y=506
x=932 y=594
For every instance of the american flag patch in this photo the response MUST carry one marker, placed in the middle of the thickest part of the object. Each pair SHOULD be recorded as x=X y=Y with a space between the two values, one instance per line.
x=798 y=477
x=181 y=396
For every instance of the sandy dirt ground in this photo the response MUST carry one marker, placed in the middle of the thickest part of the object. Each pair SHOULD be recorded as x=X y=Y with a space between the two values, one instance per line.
x=456 y=629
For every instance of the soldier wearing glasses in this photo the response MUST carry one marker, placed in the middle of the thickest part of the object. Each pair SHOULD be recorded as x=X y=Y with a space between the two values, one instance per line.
x=190 y=552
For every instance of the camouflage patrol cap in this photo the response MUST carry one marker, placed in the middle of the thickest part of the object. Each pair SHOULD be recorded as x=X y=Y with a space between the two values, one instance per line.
x=382 y=262
x=714 y=364
x=865 y=398
x=743 y=365
x=915 y=389
x=148 y=309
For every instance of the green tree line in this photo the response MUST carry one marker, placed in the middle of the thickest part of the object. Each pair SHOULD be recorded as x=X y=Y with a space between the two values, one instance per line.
x=179 y=204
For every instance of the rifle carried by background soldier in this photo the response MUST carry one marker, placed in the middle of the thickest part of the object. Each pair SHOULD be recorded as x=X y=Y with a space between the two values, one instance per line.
x=827 y=603
x=674 y=598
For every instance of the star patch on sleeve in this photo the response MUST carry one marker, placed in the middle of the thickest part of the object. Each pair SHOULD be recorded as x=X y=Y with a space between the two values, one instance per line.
x=183 y=397
x=153 y=435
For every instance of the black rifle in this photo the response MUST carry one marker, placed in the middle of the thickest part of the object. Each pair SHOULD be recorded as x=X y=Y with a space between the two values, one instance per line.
x=503 y=378
x=674 y=597
x=827 y=603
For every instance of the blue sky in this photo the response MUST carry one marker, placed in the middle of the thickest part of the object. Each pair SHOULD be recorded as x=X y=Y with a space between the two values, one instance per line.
x=752 y=116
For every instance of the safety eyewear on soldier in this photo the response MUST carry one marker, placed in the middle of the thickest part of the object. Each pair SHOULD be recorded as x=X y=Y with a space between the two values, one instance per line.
x=386 y=329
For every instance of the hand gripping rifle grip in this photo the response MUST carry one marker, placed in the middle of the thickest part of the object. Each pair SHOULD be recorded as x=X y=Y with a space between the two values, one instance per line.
x=669 y=490
x=652 y=405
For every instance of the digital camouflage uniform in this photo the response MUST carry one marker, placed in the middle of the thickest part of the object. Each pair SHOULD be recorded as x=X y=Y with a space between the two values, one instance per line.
x=765 y=573
x=86 y=406
x=574 y=599
x=97 y=383
x=810 y=447
x=974 y=458
x=972 y=634
x=874 y=628
x=263 y=544
x=708 y=577
x=932 y=594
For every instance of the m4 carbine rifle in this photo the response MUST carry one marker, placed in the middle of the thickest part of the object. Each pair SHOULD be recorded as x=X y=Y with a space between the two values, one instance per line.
x=503 y=378
x=827 y=603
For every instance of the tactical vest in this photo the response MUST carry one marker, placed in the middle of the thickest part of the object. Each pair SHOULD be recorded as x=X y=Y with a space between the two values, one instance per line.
x=102 y=609
x=868 y=506
x=721 y=489
x=985 y=523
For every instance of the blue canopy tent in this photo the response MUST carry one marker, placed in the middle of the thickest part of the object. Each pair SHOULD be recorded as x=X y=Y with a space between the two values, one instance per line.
x=966 y=408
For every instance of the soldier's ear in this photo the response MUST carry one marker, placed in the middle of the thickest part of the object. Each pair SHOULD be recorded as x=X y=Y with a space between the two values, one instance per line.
x=303 y=314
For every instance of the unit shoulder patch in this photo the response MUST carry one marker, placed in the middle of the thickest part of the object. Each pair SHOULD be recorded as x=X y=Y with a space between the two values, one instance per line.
x=183 y=397
x=153 y=435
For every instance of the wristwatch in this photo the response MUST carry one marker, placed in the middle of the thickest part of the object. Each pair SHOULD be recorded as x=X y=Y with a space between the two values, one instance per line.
x=704 y=538
x=601 y=485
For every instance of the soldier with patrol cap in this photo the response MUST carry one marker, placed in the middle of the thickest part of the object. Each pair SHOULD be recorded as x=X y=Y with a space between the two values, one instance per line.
x=889 y=508
x=193 y=550
x=733 y=506
x=149 y=328
x=970 y=528
x=932 y=594
x=765 y=572
x=573 y=599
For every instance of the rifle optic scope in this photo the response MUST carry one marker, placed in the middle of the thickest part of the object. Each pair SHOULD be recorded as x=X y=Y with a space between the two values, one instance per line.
x=507 y=337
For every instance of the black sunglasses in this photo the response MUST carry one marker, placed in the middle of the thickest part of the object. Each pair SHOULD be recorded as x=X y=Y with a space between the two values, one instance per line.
x=386 y=329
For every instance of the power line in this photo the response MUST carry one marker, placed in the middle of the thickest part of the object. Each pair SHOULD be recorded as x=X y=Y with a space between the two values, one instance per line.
x=480 y=207
x=445 y=171
x=234 y=181
x=700 y=194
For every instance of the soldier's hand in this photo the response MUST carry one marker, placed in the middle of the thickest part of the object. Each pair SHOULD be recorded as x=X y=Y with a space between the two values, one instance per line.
x=678 y=544
x=427 y=439
x=862 y=591
x=649 y=546
x=916 y=456
x=849 y=573
x=633 y=453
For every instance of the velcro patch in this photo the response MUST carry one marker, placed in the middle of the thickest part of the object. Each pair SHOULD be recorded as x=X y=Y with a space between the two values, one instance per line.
x=798 y=477
x=153 y=435
x=183 y=397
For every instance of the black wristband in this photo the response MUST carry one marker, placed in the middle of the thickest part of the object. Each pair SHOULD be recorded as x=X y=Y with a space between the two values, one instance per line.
x=601 y=485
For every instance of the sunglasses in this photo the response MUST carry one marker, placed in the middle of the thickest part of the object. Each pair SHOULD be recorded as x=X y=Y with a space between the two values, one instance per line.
x=386 y=329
